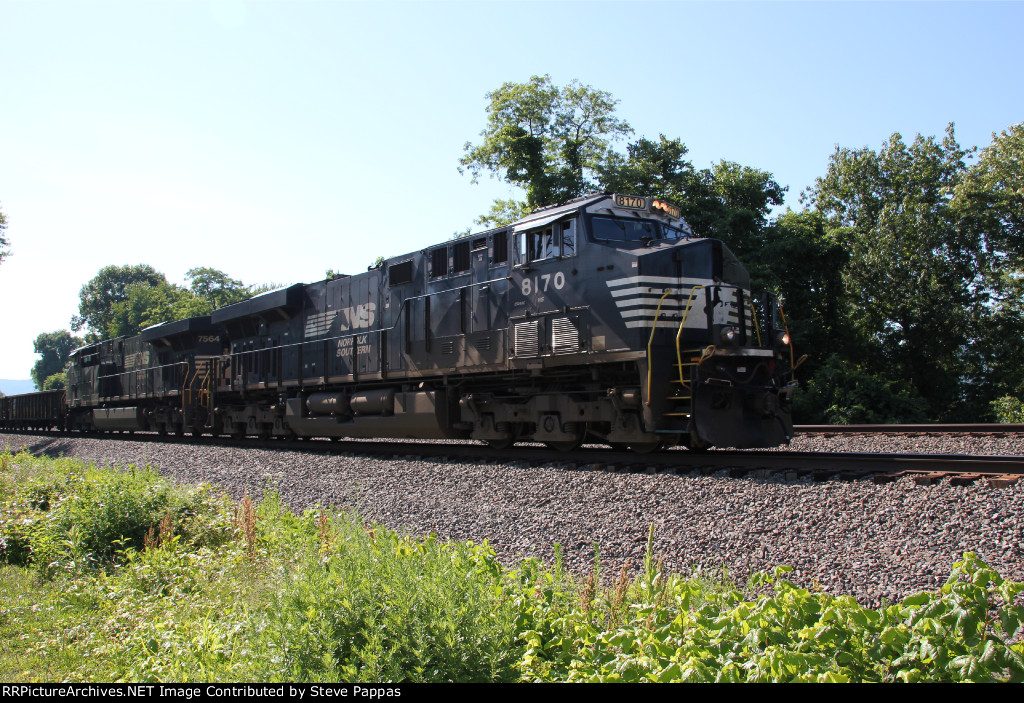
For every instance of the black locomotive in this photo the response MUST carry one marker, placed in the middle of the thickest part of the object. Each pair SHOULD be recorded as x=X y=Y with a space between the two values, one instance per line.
x=603 y=319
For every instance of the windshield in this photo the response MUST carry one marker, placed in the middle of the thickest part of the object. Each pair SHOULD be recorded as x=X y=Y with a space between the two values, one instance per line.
x=615 y=229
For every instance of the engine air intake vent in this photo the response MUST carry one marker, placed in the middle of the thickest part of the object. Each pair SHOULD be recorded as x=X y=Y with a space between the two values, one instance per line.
x=527 y=339
x=565 y=335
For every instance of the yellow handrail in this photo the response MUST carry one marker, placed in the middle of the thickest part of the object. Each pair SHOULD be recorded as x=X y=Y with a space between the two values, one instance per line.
x=204 y=390
x=757 y=327
x=679 y=335
x=650 y=341
x=706 y=353
x=184 y=383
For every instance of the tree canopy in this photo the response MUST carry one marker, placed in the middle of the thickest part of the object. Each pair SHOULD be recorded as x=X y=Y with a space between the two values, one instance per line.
x=548 y=140
x=55 y=349
x=727 y=201
x=217 y=288
x=123 y=300
x=106 y=289
x=914 y=274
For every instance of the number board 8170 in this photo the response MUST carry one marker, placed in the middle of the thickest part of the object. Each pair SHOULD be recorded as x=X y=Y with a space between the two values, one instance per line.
x=631 y=201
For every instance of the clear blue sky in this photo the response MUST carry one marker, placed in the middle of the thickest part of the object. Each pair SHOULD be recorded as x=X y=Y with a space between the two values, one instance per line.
x=275 y=140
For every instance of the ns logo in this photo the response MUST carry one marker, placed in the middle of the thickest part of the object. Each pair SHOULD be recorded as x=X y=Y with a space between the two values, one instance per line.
x=361 y=316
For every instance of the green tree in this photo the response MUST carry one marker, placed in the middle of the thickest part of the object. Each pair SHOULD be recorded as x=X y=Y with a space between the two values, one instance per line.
x=548 y=140
x=914 y=277
x=990 y=203
x=991 y=200
x=801 y=263
x=4 y=244
x=146 y=305
x=503 y=212
x=1008 y=409
x=658 y=169
x=55 y=349
x=108 y=288
x=216 y=287
x=123 y=300
x=734 y=205
x=843 y=393
x=54 y=382
x=728 y=201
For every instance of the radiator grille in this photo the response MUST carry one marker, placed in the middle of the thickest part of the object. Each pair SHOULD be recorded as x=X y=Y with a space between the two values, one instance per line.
x=565 y=336
x=527 y=339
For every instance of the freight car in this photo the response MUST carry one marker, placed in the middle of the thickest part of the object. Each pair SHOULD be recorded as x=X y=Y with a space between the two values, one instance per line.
x=603 y=319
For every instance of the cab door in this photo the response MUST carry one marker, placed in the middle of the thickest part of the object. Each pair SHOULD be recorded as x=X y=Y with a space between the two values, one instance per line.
x=396 y=319
x=546 y=313
x=479 y=312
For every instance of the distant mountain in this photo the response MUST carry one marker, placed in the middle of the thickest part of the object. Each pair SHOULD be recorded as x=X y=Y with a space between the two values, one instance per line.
x=16 y=387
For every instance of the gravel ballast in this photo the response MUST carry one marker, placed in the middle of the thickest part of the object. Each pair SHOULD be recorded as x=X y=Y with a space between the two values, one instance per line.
x=871 y=541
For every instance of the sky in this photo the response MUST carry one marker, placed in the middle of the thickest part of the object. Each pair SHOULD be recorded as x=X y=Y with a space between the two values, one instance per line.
x=276 y=140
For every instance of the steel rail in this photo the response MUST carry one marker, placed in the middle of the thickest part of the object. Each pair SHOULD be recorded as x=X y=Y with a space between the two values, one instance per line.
x=964 y=428
x=821 y=464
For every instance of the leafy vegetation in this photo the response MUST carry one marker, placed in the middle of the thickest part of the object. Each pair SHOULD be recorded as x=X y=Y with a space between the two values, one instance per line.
x=1009 y=409
x=121 y=576
x=55 y=350
x=549 y=140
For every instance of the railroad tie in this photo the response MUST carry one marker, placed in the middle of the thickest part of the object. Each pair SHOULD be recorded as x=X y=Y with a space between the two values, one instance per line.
x=964 y=479
x=1003 y=481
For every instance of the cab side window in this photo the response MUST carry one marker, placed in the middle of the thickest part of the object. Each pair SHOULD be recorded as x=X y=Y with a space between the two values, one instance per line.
x=568 y=237
x=551 y=242
x=543 y=243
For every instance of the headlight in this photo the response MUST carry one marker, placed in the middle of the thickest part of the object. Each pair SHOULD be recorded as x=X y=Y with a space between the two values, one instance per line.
x=782 y=339
x=729 y=335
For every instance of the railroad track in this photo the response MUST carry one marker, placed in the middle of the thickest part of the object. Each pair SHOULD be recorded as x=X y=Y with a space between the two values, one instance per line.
x=982 y=428
x=997 y=471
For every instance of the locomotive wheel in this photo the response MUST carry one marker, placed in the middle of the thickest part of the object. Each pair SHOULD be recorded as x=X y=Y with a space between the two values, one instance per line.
x=567 y=446
x=618 y=446
x=646 y=447
x=570 y=445
x=695 y=445
x=501 y=444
